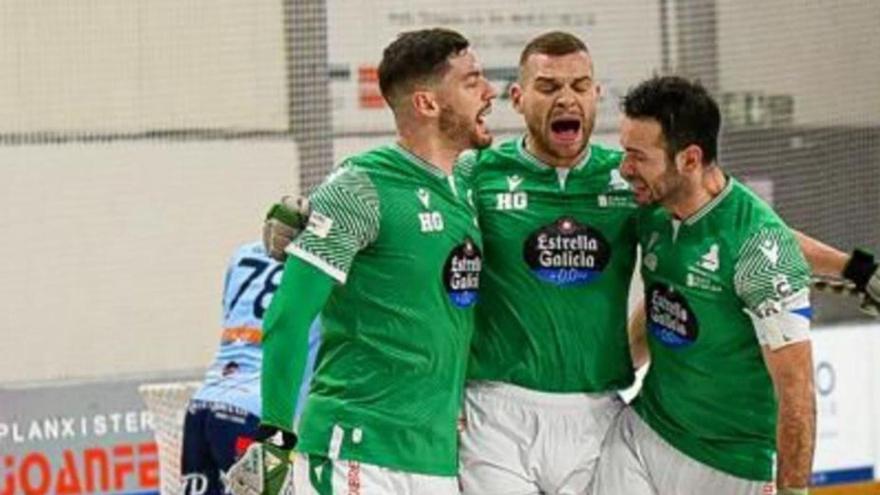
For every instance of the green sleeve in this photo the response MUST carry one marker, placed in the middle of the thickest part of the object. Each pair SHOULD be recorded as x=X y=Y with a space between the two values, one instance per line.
x=302 y=294
x=770 y=267
x=345 y=219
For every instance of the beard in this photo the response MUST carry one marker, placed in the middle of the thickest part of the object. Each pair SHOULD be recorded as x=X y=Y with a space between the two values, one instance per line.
x=665 y=190
x=670 y=187
x=461 y=129
x=589 y=124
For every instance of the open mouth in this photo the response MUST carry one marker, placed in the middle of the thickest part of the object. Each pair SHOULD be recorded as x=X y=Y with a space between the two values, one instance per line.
x=481 y=116
x=640 y=190
x=566 y=129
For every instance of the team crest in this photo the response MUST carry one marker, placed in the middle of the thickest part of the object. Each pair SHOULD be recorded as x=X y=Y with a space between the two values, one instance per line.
x=709 y=261
x=616 y=182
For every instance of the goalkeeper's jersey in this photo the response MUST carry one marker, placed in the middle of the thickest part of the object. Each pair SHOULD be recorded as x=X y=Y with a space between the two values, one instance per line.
x=560 y=248
x=234 y=376
x=708 y=392
x=402 y=241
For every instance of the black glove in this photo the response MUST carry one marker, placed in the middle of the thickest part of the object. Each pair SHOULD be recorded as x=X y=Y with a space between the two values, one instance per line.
x=862 y=270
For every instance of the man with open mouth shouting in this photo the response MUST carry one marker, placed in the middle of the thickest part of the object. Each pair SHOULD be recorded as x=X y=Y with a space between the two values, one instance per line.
x=551 y=347
x=381 y=415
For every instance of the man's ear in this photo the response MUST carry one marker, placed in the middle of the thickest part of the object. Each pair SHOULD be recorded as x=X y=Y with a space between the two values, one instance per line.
x=516 y=94
x=425 y=103
x=690 y=159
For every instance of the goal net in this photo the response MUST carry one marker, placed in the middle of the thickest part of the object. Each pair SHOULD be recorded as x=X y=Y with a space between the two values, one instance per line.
x=167 y=403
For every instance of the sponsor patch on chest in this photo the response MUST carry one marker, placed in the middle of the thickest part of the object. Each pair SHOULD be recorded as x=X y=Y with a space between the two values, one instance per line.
x=567 y=252
x=670 y=318
x=461 y=273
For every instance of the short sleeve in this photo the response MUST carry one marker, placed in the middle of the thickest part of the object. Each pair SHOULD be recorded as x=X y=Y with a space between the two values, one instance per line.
x=345 y=219
x=772 y=279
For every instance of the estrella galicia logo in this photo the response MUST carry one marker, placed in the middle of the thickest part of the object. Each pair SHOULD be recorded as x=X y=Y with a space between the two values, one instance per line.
x=461 y=273
x=567 y=253
x=670 y=318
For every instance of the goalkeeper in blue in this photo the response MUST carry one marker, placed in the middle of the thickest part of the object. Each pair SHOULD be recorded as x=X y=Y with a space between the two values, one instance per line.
x=222 y=417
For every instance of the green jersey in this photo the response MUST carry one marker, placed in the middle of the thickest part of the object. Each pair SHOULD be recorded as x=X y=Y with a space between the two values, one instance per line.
x=712 y=282
x=404 y=245
x=560 y=248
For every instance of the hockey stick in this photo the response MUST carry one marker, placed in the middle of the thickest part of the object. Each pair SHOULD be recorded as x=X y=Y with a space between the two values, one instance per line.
x=846 y=288
x=834 y=285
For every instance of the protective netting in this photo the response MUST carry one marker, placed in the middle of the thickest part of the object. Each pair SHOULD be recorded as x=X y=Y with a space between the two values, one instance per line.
x=167 y=402
x=797 y=80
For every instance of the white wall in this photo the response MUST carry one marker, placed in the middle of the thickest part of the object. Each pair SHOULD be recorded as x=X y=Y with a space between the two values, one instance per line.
x=128 y=66
x=113 y=255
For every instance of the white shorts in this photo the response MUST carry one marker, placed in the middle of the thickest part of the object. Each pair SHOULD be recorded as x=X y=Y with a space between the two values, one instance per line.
x=517 y=441
x=637 y=461
x=317 y=475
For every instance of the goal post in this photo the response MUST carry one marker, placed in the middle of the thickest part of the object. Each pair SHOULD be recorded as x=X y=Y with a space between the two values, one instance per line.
x=167 y=403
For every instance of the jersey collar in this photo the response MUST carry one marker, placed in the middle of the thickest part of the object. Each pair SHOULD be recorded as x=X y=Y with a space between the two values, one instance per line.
x=534 y=160
x=708 y=207
x=419 y=162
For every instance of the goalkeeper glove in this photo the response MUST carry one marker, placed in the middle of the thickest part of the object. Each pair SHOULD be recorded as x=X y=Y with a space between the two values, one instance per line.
x=283 y=222
x=864 y=272
x=265 y=468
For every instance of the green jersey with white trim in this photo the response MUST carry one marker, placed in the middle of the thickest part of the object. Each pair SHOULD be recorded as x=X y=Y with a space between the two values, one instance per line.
x=560 y=248
x=711 y=282
x=404 y=245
